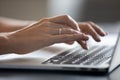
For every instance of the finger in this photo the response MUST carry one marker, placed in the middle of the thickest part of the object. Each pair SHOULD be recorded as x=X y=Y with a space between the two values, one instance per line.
x=69 y=42
x=53 y=28
x=91 y=31
x=99 y=30
x=68 y=37
x=58 y=29
x=68 y=31
x=83 y=44
x=66 y=20
x=61 y=30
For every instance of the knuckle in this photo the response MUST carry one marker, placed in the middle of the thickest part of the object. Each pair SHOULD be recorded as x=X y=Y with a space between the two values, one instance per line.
x=66 y=16
x=44 y=20
x=87 y=24
x=46 y=23
x=90 y=22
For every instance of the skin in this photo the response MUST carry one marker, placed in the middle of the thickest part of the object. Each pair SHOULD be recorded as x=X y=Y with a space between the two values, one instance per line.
x=33 y=35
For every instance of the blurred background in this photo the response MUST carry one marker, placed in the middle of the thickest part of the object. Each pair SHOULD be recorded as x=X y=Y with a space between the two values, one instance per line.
x=99 y=11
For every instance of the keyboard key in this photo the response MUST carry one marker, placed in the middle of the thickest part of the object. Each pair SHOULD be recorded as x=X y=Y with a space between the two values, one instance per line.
x=61 y=57
x=88 y=56
x=79 y=54
x=99 y=56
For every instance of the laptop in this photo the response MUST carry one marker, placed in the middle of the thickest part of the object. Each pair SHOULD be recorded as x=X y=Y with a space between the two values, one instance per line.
x=100 y=57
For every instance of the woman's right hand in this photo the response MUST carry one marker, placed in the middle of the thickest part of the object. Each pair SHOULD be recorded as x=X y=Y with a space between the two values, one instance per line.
x=44 y=33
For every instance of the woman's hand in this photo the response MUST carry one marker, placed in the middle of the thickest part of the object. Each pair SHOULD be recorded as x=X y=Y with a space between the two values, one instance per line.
x=44 y=33
x=90 y=28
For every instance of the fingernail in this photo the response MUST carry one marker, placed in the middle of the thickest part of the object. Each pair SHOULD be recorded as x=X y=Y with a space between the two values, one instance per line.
x=98 y=40
x=86 y=48
x=104 y=34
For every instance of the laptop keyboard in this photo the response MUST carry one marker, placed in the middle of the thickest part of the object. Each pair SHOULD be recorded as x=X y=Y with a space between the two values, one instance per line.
x=94 y=56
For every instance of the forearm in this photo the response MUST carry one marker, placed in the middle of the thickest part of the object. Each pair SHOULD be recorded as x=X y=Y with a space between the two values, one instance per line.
x=8 y=25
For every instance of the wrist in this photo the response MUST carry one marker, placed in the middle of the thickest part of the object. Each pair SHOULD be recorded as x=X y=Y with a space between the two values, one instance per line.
x=4 y=44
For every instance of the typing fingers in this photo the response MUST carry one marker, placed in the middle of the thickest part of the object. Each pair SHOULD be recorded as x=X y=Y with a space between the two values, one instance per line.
x=69 y=37
x=92 y=30
x=83 y=44
x=57 y=29
x=99 y=30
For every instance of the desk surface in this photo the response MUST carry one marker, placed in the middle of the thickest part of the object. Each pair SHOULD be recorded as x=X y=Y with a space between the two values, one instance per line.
x=47 y=75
